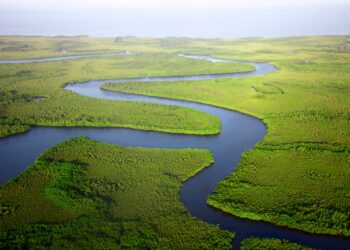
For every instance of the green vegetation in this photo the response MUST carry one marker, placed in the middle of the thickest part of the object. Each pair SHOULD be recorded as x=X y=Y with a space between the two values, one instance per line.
x=299 y=174
x=270 y=244
x=6 y=130
x=314 y=194
x=86 y=194
x=63 y=108
x=20 y=84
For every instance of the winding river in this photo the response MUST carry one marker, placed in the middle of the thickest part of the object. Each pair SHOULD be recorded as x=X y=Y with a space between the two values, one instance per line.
x=239 y=133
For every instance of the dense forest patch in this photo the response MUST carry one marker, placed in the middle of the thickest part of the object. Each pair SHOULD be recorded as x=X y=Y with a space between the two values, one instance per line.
x=86 y=194
x=270 y=244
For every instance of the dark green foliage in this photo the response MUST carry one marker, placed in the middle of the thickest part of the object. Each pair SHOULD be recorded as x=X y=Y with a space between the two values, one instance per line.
x=10 y=129
x=311 y=195
x=270 y=244
x=90 y=195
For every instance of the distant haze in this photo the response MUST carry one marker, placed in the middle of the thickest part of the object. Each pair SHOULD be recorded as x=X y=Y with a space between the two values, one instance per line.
x=194 y=18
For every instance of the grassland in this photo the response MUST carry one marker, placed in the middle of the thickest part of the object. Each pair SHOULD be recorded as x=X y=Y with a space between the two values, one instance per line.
x=90 y=195
x=270 y=244
x=299 y=175
x=20 y=84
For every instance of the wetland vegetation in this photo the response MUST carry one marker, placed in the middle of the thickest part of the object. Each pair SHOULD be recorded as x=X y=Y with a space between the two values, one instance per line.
x=86 y=194
x=20 y=84
x=270 y=244
x=298 y=176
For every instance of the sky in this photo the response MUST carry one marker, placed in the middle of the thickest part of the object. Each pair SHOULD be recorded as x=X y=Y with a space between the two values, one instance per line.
x=193 y=18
